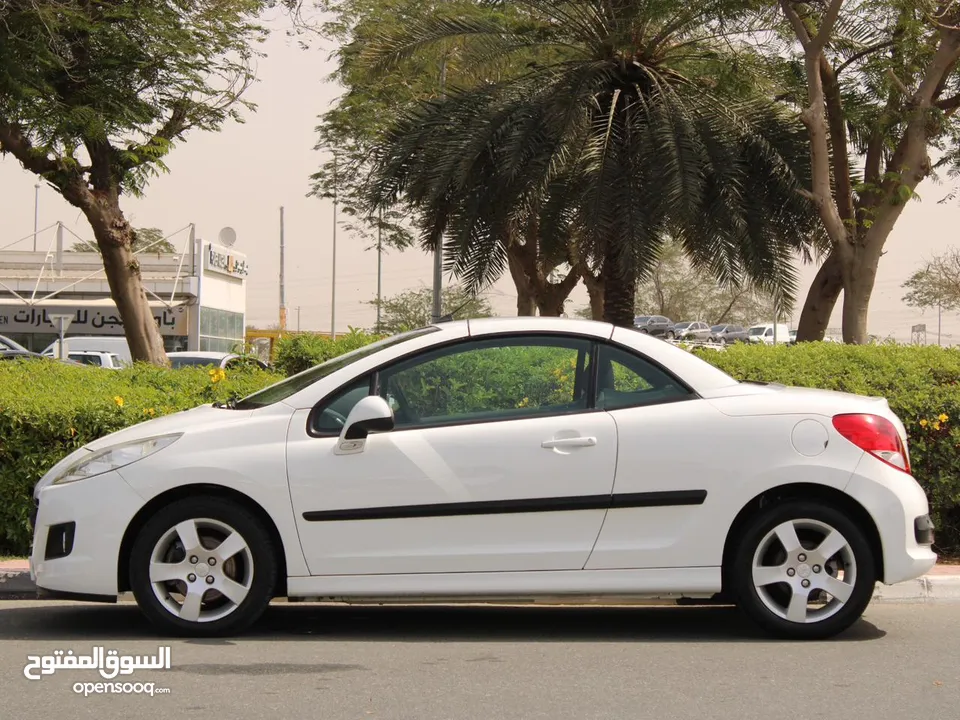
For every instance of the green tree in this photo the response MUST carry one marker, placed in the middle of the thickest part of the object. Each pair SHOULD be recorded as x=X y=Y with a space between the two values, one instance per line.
x=93 y=95
x=412 y=309
x=877 y=86
x=936 y=284
x=630 y=124
x=680 y=291
x=148 y=240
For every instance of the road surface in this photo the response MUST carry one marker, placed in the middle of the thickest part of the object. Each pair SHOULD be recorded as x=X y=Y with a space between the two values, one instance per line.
x=900 y=662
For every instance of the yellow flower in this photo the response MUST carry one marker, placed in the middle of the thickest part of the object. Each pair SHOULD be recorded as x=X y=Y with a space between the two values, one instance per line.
x=943 y=417
x=217 y=374
x=118 y=400
x=923 y=423
x=936 y=425
x=149 y=411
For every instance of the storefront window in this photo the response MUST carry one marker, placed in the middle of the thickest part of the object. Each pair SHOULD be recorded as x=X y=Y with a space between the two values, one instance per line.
x=220 y=330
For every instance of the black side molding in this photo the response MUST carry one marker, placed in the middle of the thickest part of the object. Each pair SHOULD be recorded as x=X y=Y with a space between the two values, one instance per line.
x=571 y=503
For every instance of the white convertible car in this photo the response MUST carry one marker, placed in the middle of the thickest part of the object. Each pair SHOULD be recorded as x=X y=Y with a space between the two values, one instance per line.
x=499 y=459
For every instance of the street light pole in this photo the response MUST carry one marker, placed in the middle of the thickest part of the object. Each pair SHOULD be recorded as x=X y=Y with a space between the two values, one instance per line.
x=333 y=283
x=379 y=264
x=36 y=213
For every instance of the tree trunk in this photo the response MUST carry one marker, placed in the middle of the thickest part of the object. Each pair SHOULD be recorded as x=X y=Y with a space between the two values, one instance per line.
x=550 y=304
x=821 y=299
x=114 y=238
x=619 y=293
x=859 y=276
x=526 y=307
x=594 y=291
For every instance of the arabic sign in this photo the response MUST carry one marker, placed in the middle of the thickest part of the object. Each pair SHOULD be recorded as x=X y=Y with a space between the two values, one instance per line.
x=225 y=261
x=86 y=321
x=109 y=663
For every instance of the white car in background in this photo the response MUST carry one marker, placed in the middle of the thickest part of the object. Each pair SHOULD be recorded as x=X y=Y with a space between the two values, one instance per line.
x=198 y=358
x=767 y=335
x=510 y=458
x=97 y=358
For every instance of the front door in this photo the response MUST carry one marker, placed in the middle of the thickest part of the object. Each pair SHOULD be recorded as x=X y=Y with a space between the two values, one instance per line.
x=498 y=462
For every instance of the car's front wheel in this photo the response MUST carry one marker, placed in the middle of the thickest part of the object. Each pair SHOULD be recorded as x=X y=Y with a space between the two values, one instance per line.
x=669 y=335
x=803 y=570
x=203 y=566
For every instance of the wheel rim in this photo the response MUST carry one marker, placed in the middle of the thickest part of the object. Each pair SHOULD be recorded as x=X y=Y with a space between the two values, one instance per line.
x=201 y=570
x=804 y=571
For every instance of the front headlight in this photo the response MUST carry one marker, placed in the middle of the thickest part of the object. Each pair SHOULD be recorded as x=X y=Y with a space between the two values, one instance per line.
x=113 y=458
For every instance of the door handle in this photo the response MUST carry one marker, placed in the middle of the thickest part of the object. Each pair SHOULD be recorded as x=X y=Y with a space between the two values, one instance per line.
x=569 y=442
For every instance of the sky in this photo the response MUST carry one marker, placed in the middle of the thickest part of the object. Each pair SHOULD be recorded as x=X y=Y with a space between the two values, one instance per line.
x=241 y=176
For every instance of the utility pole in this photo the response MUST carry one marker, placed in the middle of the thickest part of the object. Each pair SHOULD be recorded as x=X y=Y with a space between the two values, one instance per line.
x=283 y=299
x=333 y=283
x=379 y=263
x=438 y=250
x=36 y=213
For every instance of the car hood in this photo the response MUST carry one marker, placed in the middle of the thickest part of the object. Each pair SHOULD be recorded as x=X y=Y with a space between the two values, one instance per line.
x=205 y=417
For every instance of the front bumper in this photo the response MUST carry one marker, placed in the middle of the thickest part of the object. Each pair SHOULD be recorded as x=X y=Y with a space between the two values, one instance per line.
x=99 y=510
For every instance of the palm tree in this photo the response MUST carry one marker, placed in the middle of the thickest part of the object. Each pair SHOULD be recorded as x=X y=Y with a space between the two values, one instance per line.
x=628 y=125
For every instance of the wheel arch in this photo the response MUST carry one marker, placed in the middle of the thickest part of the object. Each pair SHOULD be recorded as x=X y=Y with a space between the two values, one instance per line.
x=803 y=491
x=199 y=490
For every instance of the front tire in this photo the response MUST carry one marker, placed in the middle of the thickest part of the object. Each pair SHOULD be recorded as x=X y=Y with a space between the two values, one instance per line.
x=669 y=335
x=203 y=567
x=803 y=570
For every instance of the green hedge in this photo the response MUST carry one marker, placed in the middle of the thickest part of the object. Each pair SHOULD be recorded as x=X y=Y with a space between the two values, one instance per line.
x=49 y=409
x=296 y=353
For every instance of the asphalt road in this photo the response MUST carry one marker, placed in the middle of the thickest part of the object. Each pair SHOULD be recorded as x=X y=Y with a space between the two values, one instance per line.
x=469 y=663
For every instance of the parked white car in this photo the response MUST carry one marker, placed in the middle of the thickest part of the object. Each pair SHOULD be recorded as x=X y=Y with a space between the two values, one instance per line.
x=500 y=458
x=765 y=334
x=195 y=358
x=116 y=345
x=98 y=358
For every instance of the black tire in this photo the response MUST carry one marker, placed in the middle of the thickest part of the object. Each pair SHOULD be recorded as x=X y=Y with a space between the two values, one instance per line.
x=263 y=567
x=748 y=597
x=644 y=331
x=669 y=335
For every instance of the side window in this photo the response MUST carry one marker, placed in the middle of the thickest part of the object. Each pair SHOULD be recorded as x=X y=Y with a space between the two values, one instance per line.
x=328 y=418
x=627 y=380
x=490 y=379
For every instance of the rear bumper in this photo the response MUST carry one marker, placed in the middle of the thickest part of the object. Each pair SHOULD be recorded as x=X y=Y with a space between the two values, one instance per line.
x=899 y=507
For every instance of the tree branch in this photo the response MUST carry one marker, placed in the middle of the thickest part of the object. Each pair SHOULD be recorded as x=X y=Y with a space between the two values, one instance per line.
x=14 y=141
x=827 y=25
x=798 y=27
x=838 y=139
x=862 y=54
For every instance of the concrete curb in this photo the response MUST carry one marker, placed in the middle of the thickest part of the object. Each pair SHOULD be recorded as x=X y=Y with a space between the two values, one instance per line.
x=15 y=583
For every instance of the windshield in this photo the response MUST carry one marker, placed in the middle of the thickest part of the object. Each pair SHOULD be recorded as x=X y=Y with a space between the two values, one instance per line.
x=179 y=361
x=717 y=328
x=758 y=330
x=681 y=326
x=641 y=319
x=292 y=385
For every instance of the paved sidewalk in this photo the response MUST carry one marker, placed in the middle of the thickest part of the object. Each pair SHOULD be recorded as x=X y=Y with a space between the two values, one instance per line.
x=941 y=584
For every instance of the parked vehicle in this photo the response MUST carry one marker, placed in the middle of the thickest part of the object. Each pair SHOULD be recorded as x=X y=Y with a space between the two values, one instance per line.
x=95 y=343
x=212 y=359
x=96 y=358
x=691 y=330
x=360 y=480
x=764 y=334
x=8 y=344
x=793 y=337
x=725 y=334
x=6 y=354
x=656 y=325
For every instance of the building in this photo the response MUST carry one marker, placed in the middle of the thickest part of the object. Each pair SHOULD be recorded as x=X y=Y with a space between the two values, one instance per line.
x=198 y=297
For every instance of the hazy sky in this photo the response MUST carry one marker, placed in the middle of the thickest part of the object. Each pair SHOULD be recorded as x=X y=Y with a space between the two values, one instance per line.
x=241 y=176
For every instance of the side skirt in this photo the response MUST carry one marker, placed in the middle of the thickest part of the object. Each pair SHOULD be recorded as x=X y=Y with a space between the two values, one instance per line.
x=571 y=585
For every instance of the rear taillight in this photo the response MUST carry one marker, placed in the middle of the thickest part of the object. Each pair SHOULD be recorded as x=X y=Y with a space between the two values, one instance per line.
x=875 y=435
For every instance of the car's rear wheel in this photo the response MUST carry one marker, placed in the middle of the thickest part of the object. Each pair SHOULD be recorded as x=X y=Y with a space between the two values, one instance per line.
x=669 y=335
x=203 y=566
x=803 y=570
x=644 y=331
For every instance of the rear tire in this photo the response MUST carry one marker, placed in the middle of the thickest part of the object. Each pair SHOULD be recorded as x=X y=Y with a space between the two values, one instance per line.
x=803 y=570
x=669 y=335
x=203 y=567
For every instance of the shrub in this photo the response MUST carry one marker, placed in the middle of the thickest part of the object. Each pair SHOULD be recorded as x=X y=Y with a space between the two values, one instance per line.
x=49 y=409
x=919 y=383
x=296 y=353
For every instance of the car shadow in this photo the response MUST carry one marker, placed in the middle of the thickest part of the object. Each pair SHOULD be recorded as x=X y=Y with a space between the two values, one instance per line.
x=289 y=622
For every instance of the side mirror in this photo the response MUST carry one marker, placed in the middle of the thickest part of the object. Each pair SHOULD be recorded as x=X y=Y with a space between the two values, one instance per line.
x=371 y=414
